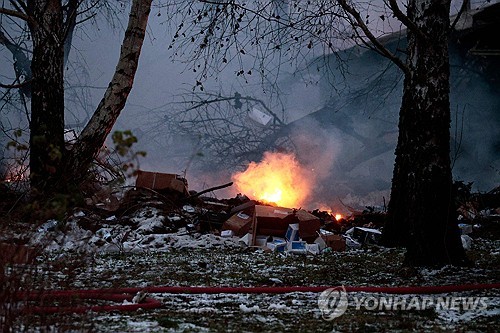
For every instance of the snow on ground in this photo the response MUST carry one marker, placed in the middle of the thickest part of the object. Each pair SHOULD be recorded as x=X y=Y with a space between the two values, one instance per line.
x=144 y=231
x=139 y=251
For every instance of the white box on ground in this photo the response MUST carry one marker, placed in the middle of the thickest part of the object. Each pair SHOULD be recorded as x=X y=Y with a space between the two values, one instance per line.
x=292 y=233
x=277 y=245
x=227 y=233
x=297 y=247
x=261 y=240
x=466 y=242
x=351 y=243
x=321 y=243
x=246 y=240
x=313 y=248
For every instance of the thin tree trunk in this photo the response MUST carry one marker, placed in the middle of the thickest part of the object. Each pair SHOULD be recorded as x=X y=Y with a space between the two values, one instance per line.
x=47 y=102
x=94 y=134
x=422 y=212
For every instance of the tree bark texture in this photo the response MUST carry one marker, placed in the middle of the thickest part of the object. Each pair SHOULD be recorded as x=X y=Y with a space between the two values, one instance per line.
x=47 y=100
x=95 y=132
x=422 y=212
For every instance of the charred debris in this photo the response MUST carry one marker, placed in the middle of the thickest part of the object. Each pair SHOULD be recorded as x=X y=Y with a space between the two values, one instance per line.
x=249 y=223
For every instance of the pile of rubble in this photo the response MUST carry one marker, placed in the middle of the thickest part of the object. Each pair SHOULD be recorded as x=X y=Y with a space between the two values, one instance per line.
x=281 y=229
x=160 y=214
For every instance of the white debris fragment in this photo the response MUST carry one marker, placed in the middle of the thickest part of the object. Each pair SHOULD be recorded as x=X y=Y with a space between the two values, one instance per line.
x=466 y=242
x=227 y=233
x=174 y=218
x=276 y=280
x=79 y=214
x=278 y=307
x=50 y=225
x=188 y=209
x=139 y=297
x=259 y=116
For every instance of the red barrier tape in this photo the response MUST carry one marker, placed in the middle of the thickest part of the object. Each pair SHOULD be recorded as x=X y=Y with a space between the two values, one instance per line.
x=77 y=295
x=122 y=294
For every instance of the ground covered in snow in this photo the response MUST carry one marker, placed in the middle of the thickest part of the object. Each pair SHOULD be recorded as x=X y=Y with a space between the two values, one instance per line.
x=216 y=264
x=155 y=245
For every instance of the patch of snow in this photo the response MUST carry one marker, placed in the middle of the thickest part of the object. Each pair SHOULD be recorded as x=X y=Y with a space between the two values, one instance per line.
x=278 y=307
x=247 y=309
x=206 y=309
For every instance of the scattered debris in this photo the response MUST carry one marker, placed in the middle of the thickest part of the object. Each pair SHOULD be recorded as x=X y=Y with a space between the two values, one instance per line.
x=160 y=214
x=162 y=182
x=365 y=235
x=330 y=240
x=465 y=229
x=259 y=116
x=277 y=244
x=466 y=242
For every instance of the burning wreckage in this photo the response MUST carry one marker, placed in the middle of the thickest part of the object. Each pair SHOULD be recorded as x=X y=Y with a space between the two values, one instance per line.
x=160 y=213
x=282 y=229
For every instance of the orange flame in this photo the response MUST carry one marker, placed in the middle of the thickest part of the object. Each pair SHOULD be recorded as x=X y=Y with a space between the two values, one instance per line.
x=326 y=208
x=278 y=178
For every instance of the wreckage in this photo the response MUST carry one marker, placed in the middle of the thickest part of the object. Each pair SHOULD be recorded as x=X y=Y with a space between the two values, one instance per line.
x=161 y=213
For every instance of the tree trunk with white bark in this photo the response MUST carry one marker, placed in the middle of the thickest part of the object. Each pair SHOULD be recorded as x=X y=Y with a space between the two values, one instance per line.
x=95 y=132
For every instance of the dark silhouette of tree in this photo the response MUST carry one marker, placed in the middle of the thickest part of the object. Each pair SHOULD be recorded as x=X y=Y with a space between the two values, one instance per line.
x=422 y=212
x=51 y=24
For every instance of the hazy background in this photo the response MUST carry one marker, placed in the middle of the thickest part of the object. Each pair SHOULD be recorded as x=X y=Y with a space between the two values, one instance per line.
x=343 y=126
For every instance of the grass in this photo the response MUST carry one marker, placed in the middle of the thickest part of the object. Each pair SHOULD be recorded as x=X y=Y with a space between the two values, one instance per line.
x=297 y=312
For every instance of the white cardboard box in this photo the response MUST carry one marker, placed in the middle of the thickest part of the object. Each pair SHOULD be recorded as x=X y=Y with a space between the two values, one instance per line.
x=292 y=233
x=296 y=247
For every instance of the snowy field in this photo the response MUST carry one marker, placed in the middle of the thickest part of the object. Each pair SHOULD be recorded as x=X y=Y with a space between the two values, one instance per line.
x=211 y=263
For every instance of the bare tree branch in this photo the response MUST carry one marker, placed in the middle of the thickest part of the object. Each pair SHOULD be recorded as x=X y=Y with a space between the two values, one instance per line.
x=377 y=44
x=219 y=99
x=465 y=7
x=16 y=13
x=15 y=86
x=22 y=63
x=393 y=5
x=19 y=4
x=71 y=12
x=97 y=129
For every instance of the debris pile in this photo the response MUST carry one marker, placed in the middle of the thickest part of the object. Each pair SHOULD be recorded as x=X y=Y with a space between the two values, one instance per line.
x=478 y=214
x=160 y=213
x=280 y=229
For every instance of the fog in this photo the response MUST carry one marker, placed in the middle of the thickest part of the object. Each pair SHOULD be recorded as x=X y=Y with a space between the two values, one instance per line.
x=340 y=124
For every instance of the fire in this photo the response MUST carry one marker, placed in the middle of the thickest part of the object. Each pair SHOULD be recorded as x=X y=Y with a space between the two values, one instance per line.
x=329 y=210
x=15 y=174
x=278 y=178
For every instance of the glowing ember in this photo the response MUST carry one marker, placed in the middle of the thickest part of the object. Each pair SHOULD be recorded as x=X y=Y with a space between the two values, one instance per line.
x=15 y=174
x=327 y=209
x=278 y=178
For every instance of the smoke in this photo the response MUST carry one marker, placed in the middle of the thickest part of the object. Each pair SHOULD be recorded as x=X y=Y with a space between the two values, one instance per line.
x=341 y=120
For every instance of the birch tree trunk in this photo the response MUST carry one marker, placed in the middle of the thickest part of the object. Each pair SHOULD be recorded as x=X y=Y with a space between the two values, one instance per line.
x=422 y=211
x=95 y=132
